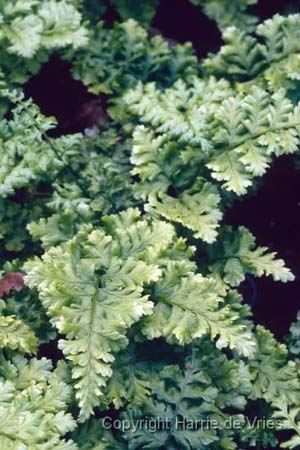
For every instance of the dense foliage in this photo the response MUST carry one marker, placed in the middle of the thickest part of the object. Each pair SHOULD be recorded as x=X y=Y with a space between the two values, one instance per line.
x=130 y=272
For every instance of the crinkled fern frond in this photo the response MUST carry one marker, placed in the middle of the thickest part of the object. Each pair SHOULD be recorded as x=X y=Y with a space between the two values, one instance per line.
x=235 y=254
x=92 y=288
x=27 y=154
x=16 y=335
x=270 y=56
x=33 y=413
x=274 y=377
x=29 y=26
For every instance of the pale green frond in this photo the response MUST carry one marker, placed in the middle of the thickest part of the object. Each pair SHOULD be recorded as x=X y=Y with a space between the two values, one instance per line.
x=249 y=130
x=16 y=335
x=45 y=25
x=61 y=25
x=24 y=35
x=92 y=289
x=198 y=212
x=270 y=56
x=27 y=156
x=192 y=306
x=202 y=125
x=235 y=254
x=36 y=416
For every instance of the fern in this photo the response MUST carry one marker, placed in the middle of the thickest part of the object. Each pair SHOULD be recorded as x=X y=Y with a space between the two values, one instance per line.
x=95 y=282
x=13 y=220
x=198 y=211
x=188 y=129
x=118 y=58
x=190 y=306
x=33 y=406
x=132 y=275
x=275 y=378
x=27 y=154
x=270 y=56
x=233 y=256
x=142 y=12
x=189 y=395
x=29 y=316
x=92 y=435
x=107 y=281
x=45 y=25
x=16 y=335
x=31 y=29
x=288 y=417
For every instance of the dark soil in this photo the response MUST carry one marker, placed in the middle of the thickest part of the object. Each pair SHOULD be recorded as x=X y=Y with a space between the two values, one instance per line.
x=266 y=8
x=59 y=95
x=182 y=21
x=50 y=350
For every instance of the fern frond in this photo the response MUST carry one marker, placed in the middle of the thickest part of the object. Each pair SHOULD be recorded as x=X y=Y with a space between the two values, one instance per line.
x=288 y=417
x=274 y=377
x=16 y=335
x=270 y=56
x=92 y=289
x=182 y=399
x=46 y=25
x=199 y=211
x=117 y=59
x=34 y=415
x=188 y=129
x=27 y=154
x=191 y=306
x=235 y=254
